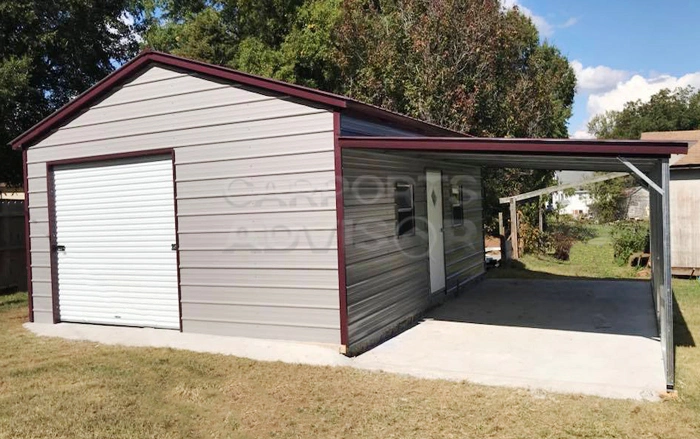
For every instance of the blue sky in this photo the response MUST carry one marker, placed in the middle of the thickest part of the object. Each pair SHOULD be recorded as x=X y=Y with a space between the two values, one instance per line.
x=620 y=50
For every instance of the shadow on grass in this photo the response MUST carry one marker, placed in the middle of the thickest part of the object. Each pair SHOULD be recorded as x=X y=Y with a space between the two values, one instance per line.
x=518 y=270
x=12 y=301
x=682 y=336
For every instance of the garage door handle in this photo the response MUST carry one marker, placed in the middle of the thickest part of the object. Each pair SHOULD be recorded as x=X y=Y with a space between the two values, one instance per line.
x=59 y=248
x=173 y=247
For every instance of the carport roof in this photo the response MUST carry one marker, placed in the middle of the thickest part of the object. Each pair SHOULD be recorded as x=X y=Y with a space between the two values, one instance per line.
x=570 y=154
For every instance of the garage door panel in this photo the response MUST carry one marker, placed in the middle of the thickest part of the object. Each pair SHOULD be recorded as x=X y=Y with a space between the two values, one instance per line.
x=116 y=223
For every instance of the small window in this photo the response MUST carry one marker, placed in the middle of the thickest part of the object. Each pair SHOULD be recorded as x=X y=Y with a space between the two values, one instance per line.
x=405 y=210
x=457 y=205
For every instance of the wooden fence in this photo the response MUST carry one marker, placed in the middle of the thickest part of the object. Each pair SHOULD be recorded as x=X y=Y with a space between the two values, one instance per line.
x=13 y=260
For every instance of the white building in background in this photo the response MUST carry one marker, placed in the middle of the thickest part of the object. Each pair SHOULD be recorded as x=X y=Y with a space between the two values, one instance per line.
x=576 y=205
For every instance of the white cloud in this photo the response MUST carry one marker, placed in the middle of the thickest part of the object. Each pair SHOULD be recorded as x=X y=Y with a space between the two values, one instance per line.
x=581 y=134
x=598 y=78
x=568 y=23
x=637 y=87
x=634 y=88
x=545 y=28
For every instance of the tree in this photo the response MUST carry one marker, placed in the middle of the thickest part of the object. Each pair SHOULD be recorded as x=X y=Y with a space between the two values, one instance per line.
x=610 y=199
x=667 y=110
x=471 y=66
x=49 y=53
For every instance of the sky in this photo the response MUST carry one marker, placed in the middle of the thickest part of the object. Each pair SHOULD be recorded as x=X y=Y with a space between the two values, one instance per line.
x=621 y=50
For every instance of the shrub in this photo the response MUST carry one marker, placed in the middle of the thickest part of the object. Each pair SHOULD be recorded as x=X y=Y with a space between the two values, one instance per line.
x=629 y=237
x=533 y=240
x=577 y=230
x=562 y=243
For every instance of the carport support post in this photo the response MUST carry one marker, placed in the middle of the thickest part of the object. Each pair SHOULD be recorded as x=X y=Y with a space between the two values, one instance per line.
x=514 y=229
x=660 y=243
x=501 y=226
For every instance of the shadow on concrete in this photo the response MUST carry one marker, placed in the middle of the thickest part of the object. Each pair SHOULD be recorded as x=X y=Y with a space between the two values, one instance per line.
x=547 y=301
x=515 y=296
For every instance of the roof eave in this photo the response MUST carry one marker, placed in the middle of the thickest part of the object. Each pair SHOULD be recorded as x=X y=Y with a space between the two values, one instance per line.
x=518 y=145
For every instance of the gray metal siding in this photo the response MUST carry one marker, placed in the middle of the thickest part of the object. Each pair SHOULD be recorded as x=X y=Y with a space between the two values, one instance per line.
x=352 y=126
x=255 y=197
x=387 y=276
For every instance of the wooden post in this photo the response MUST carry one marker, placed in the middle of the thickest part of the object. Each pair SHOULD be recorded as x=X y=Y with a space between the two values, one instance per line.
x=541 y=218
x=514 y=229
x=501 y=226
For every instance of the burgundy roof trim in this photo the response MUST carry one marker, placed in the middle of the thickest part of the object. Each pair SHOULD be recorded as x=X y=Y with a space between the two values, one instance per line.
x=536 y=146
x=131 y=68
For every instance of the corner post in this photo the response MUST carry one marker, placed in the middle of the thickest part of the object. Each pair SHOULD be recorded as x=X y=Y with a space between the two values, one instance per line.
x=514 y=229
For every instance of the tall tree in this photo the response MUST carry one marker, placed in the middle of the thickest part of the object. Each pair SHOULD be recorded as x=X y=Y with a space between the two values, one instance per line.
x=469 y=65
x=667 y=110
x=50 y=51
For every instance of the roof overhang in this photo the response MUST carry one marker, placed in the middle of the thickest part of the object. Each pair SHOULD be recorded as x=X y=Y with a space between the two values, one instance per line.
x=559 y=154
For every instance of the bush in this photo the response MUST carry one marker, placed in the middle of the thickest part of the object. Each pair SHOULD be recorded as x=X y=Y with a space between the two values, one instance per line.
x=629 y=237
x=561 y=235
x=577 y=230
x=533 y=240
x=562 y=243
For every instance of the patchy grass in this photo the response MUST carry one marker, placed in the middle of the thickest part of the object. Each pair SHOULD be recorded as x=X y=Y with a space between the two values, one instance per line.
x=593 y=258
x=52 y=388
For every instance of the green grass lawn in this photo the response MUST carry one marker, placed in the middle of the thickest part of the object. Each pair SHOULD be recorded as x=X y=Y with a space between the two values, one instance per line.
x=593 y=258
x=52 y=388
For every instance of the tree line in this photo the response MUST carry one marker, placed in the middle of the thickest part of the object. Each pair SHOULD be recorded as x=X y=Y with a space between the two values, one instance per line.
x=468 y=65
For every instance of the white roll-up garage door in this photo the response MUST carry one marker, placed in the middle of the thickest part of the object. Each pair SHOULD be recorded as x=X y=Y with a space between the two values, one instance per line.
x=115 y=236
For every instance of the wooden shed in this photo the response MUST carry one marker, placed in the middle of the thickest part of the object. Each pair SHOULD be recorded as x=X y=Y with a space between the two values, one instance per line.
x=685 y=202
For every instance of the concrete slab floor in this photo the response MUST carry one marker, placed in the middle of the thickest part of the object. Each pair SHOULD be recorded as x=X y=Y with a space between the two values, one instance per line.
x=571 y=336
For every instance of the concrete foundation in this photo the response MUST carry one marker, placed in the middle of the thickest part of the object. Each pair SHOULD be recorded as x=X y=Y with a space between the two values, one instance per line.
x=573 y=336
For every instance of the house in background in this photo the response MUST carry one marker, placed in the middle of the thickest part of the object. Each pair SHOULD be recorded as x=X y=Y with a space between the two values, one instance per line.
x=685 y=202
x=577 y=204
x=10 y=192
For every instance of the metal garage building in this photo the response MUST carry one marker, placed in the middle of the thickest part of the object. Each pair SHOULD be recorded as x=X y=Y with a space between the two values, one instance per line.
x=178 y=194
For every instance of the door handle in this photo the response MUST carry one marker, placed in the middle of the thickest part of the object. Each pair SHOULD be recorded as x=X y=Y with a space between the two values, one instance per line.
x=173 y=247
x=59 y=248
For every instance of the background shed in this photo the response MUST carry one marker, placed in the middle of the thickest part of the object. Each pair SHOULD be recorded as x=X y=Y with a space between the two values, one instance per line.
x=685 y=202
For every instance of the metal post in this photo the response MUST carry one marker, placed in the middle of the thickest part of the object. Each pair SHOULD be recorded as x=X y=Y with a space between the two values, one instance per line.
x=514 y=229
x=660 y=245
x=541 y=215
x=666 y=289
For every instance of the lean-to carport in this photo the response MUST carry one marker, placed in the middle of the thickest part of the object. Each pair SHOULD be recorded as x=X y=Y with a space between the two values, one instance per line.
x=648 y=161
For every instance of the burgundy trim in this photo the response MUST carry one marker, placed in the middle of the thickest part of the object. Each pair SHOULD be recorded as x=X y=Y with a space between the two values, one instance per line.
x=27 y=240
x=177 y=239
x=52 y=211
x=136 y=65
x=114 y=156
x=517 y=146
x=297 y=91
x=53 y=255
x=340 y=223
